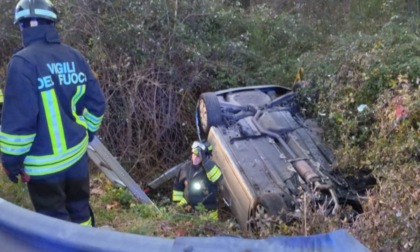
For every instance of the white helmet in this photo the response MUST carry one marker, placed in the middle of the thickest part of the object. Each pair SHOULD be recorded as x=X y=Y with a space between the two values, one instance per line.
x=201 y=148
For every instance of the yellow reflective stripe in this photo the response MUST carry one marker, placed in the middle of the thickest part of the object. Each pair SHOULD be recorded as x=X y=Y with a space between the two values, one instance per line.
x=214 y=174
x=93 y=122
x=87 y=223
x=183 y=201
x=55 y=124
x=79 y=93
x=177 y=195
x=16 y=139
x=1 y=96
x=16 y=144
x=42 y=165
x=214 y=214
x=15 y=150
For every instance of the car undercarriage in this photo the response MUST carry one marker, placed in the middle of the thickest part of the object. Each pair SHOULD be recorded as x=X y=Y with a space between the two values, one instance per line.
x=272 y=158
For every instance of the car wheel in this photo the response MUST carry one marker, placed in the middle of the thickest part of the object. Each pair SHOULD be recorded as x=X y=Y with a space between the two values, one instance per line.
x=209 y=112
x=268 y=212
x=350 y=212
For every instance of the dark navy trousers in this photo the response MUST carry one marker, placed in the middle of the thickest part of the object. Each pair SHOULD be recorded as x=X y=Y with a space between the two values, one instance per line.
x=63 y=195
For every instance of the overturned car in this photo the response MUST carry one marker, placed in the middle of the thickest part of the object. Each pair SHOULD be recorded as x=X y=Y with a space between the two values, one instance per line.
x=271 y=157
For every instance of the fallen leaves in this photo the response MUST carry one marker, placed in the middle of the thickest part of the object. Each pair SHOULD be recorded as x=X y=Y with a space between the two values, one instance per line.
x=112 y=205
x=97 y=191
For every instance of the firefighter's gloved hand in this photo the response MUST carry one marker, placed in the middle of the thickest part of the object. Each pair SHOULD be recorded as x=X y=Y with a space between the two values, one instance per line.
x=25 y=177
x=14 y=172
x=183 y=202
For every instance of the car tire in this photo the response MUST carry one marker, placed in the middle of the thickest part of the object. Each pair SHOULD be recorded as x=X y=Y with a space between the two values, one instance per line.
x=208 y=112
x=269 y=209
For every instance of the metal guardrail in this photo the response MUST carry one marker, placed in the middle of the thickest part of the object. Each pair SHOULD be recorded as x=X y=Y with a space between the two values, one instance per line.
x=169 y=174
x=109 y=165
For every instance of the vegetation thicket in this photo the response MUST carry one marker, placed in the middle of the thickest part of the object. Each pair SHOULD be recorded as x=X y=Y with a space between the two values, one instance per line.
x=361 y=60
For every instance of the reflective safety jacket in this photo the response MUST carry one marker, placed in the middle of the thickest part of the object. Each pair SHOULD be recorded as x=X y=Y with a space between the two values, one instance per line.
x=197 y=184
x=53 y=105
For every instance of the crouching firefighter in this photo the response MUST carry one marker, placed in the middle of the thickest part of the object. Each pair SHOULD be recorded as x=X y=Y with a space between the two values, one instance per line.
x=197 y=180
x=52 y=108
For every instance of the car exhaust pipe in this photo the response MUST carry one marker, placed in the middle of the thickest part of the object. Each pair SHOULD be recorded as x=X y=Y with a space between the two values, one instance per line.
x=305 y=171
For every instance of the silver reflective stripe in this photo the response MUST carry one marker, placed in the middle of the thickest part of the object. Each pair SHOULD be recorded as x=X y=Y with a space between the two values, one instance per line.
x=16 y=144
x=46 y=13
x=93 y=122
x=51 y=159
x=15 y=150
x=16 y=139
x=79 y=94
x=22 y=13
x=42 y=165
x=55 y=124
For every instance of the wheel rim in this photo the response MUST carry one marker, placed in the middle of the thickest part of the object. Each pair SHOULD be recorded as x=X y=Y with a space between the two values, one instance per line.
x=259 y=219
x=203 y=115
x=260 y=212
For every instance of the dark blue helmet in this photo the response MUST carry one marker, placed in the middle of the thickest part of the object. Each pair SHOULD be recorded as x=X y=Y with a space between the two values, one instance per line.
x=39 y=9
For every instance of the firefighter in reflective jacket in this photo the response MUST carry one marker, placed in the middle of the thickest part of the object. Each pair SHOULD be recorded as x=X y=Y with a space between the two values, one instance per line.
x=52 y=108
x=196 y=181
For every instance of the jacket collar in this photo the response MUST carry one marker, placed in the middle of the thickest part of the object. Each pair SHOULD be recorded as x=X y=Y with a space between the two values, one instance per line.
x=46 y=33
